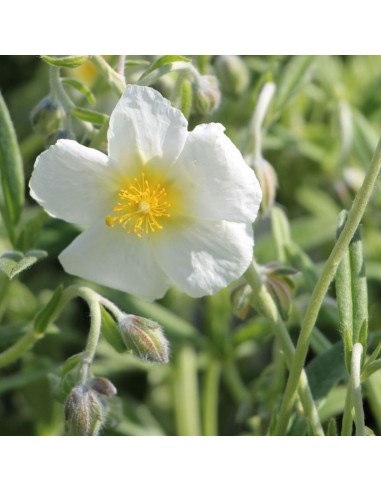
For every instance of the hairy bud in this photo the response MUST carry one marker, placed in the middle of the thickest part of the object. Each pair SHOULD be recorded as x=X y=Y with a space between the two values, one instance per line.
x=233 y=75
x=145 y=338
x=207 y=94
x=84 y=412
x=103 y=386
x=47 y=116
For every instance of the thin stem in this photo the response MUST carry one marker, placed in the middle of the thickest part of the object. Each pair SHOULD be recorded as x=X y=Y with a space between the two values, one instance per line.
x=210 y=398
x=110 y=306
x=186 y=393
x=233 y=381
x=115 y=81
x=260 y=111
x=346 y=426
x=266 y=305
x=321 y=287
x=19 y=348
x=356 y=389
x=121 y=63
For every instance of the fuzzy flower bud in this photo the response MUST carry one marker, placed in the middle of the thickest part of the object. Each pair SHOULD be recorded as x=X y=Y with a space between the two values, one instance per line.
x=268 y=180
x=240 y=300
x=207 y=94
x=102 y=386
x=47 y=116
x=233 y=75
x=281 y=285
x=145 y=338
x=84 y=412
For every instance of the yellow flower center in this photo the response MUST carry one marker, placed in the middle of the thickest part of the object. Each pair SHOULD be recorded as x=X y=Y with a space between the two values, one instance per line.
x=141 y=207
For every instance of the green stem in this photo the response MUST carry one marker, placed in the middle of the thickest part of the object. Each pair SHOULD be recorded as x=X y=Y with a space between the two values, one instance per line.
x=346 y=426
x=19 y=348
x=114 y=79
x=210 y=398
x=356 y=389
x=266 y=305
x=233 y=382
x=186 y=393
x=321 y=287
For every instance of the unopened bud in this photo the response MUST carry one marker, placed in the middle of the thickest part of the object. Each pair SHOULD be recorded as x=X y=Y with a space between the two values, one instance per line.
x=145 y=338
x=84 y=412
x=102 y=386
x=207 y=94
x=47 y=116
x=281 y=285
x=233 y=75
x=240 y=300
x=268 y=181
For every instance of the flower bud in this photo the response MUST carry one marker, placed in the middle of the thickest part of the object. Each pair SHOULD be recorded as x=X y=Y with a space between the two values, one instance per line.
x=233 y=75
x=145 y=338
x=84 y=412
x=207 y=94
x=47 y=116
x=102 y=386
x=240 y=300
x=279 y=282
x=268 y=181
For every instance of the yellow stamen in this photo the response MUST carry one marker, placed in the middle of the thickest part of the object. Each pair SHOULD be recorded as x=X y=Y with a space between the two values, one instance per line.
x=140 y=207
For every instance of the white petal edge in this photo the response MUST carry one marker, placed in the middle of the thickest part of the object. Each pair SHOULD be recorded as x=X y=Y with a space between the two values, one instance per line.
x=73 y=183
x=224 y=187
x=112 y=258
x=205 y=257
x=144 y=128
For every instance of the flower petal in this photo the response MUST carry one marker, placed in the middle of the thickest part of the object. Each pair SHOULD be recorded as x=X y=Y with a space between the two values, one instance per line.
x=73 y=183
x=115 y=259
x=206 y=256
x=224 y=186
x=145 y=127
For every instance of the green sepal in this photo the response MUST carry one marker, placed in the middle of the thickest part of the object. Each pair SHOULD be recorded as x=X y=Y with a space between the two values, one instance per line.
x=90 y=116
x=76 y=84
x=14 y=262
x=48 y=313
x=111 y=332
x=71 y=61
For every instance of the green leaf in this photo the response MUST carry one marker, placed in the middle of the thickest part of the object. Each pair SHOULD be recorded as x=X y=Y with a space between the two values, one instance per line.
x=162 y=66
x=71 y=363
x=48 y=312
x=326 y=370
x=76 y=84
x=348 y=346
x=111 y=333
x=71 y=61
x=14 y=262
x=88 y=115
x=293 y=78
x=11 y=169
x=332 y=427
x=136 y=63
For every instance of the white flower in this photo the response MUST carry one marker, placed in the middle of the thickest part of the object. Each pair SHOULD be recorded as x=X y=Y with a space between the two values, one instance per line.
x=166 y=206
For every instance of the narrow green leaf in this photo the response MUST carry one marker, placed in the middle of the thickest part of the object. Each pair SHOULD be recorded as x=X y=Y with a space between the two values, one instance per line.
x=111 y=333
x=162 y=61
x=71 y=61
x=332 y=427
x=11 y=168
x=348 y=346
x=293 y=77
x=76 y=84
x=359 y=286
x=14 y=262
x=49 y=312
x=373 y=356
x=93 y=117
x=136 y=63
x=281 y=231
x=71 y=363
